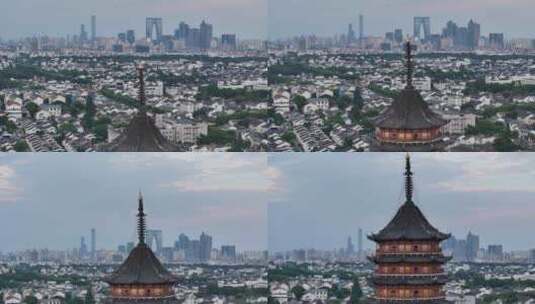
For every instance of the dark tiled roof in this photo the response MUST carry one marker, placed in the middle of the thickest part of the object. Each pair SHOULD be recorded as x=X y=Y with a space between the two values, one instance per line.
x=409 y=223
x=409 y=258
x=439 y=279
x=409 y=111
x=141 y=135
x=141 y=267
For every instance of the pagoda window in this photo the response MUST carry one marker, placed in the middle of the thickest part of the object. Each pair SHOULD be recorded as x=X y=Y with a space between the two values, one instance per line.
x=415 y=269
x=415 y=247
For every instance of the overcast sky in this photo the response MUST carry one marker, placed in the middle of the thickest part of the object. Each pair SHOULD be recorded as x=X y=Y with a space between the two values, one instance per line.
x=50 y=200
x=328 y=197
x=18 y=18
x=329 y=17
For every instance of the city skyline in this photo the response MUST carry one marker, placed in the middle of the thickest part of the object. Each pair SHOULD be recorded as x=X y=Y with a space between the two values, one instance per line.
x=458 y=193
x=183 y=193
x=246 y=18
x=329 y=18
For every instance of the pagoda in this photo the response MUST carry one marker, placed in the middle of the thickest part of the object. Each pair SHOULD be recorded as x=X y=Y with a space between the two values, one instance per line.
x=141 y=134
x=141 y=278
x=408 y=124
x=409 y=260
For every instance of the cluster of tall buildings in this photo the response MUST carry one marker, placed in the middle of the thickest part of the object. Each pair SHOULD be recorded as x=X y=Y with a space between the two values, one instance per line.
x=184 y=37
x=470 y=250
x=85 y=37
x=86 y=253
x=185 y=249
x=351 y=251
x=455 y=36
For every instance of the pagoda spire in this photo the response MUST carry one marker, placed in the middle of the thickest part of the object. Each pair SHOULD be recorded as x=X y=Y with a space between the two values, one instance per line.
x=141 y=225
x=408 y=179
x=408 y=59
x=141 y=90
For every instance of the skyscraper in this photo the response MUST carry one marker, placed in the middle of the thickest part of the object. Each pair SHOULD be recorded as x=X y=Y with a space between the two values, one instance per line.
x=360 y=245
x=350 y=34
x=228 y=252
x=83 y=248
x=361 y=29
x=93 y=244
x=131 y=36
x=419 y=23
x=206 y=35
x=205 y=249
x=83 y=34
x=155 y=240
x=154 y=24
x=228 y=41
x=472 y=246
x=350 y=248
x=398 y=35
x=93 y=28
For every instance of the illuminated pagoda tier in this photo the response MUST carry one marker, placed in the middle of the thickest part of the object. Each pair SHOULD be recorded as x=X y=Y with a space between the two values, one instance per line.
x=409 y=260
x=408 y=124
x=141 y=278
x=141 y=134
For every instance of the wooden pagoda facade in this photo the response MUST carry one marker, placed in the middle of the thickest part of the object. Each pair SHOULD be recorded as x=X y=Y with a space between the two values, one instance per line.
x=409 y=260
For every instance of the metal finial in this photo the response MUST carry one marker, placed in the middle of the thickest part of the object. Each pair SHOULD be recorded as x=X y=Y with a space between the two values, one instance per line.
x=408 y=179
x=141 y=90
x=141 y=220
x=408 y=58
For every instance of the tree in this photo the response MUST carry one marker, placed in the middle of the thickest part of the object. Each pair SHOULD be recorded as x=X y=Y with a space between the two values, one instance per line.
x=89 y=298
x=356 y=292
x=33 y=108
x=299 y=102
x=298 y=291
x=21 y=146
x=30 y=300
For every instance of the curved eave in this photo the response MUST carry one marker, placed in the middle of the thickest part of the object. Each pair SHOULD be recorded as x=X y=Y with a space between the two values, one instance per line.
x=409 y=258
x=410 y=281
x=378 y=238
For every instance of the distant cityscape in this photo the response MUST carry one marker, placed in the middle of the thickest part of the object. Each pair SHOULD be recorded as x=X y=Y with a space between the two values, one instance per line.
x=453 y=38
x=183 y=38
x=466 y=250
x=184 y=250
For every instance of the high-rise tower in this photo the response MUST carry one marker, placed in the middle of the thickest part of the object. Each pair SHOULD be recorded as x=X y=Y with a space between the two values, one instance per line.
x=409 y=260
x=152 y=25
x=408 y=124
x=93 y=245
x=141 y=278
x=93 y=28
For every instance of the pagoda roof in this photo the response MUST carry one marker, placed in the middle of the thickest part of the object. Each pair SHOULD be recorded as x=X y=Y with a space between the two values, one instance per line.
x=409 y=223
x=409 y=110
x=141 y=267
x=410 y=258
x=141 y=135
